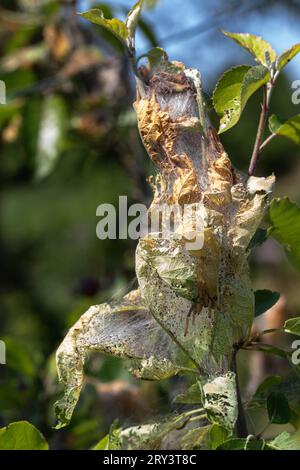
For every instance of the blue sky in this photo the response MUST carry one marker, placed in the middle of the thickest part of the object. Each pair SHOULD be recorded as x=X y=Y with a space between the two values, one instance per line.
x=211 y=52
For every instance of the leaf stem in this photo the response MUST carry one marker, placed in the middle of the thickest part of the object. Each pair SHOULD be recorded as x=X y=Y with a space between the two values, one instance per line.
x=265 y=332
x=267 y=141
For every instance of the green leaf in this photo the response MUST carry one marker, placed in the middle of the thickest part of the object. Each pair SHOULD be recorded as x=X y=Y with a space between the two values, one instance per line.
x=292 y=326
x=286 y=441
x=264 y=300
x=287 y=56
x=103 y=444
x=112 y=441
x=192 y=396
x=124 y=32
x=117 y=27
x=260 y=49
x=234 y=89
x=263 y=390
x=289 y=128
x=243 y=444
x=133 y=18
x=22 y=435
x=285 y=219
x=227 y=93
x=278 y=408
x=218 y=436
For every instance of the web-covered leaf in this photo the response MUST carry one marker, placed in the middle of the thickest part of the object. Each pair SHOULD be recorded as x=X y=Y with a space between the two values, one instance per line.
x=220 y=401
x=126 y=330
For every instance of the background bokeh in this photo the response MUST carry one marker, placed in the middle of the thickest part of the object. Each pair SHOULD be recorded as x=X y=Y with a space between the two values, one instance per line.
x=68 y=142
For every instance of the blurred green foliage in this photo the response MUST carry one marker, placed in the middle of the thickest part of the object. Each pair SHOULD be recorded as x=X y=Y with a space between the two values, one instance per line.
x=68 y=143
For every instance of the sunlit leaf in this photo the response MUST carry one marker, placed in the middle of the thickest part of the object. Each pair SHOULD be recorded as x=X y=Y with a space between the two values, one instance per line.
x=117 y=27
x=292 y=326
x=278 y=408
x=103 y=444
x=243 y=444
x=264 y=300
x=285 y=227
x=22 y=435
x=284 y=58
x=260 y=49
x=286 y=441
x=234 y=89
x=289 y=128
x=133 y=18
